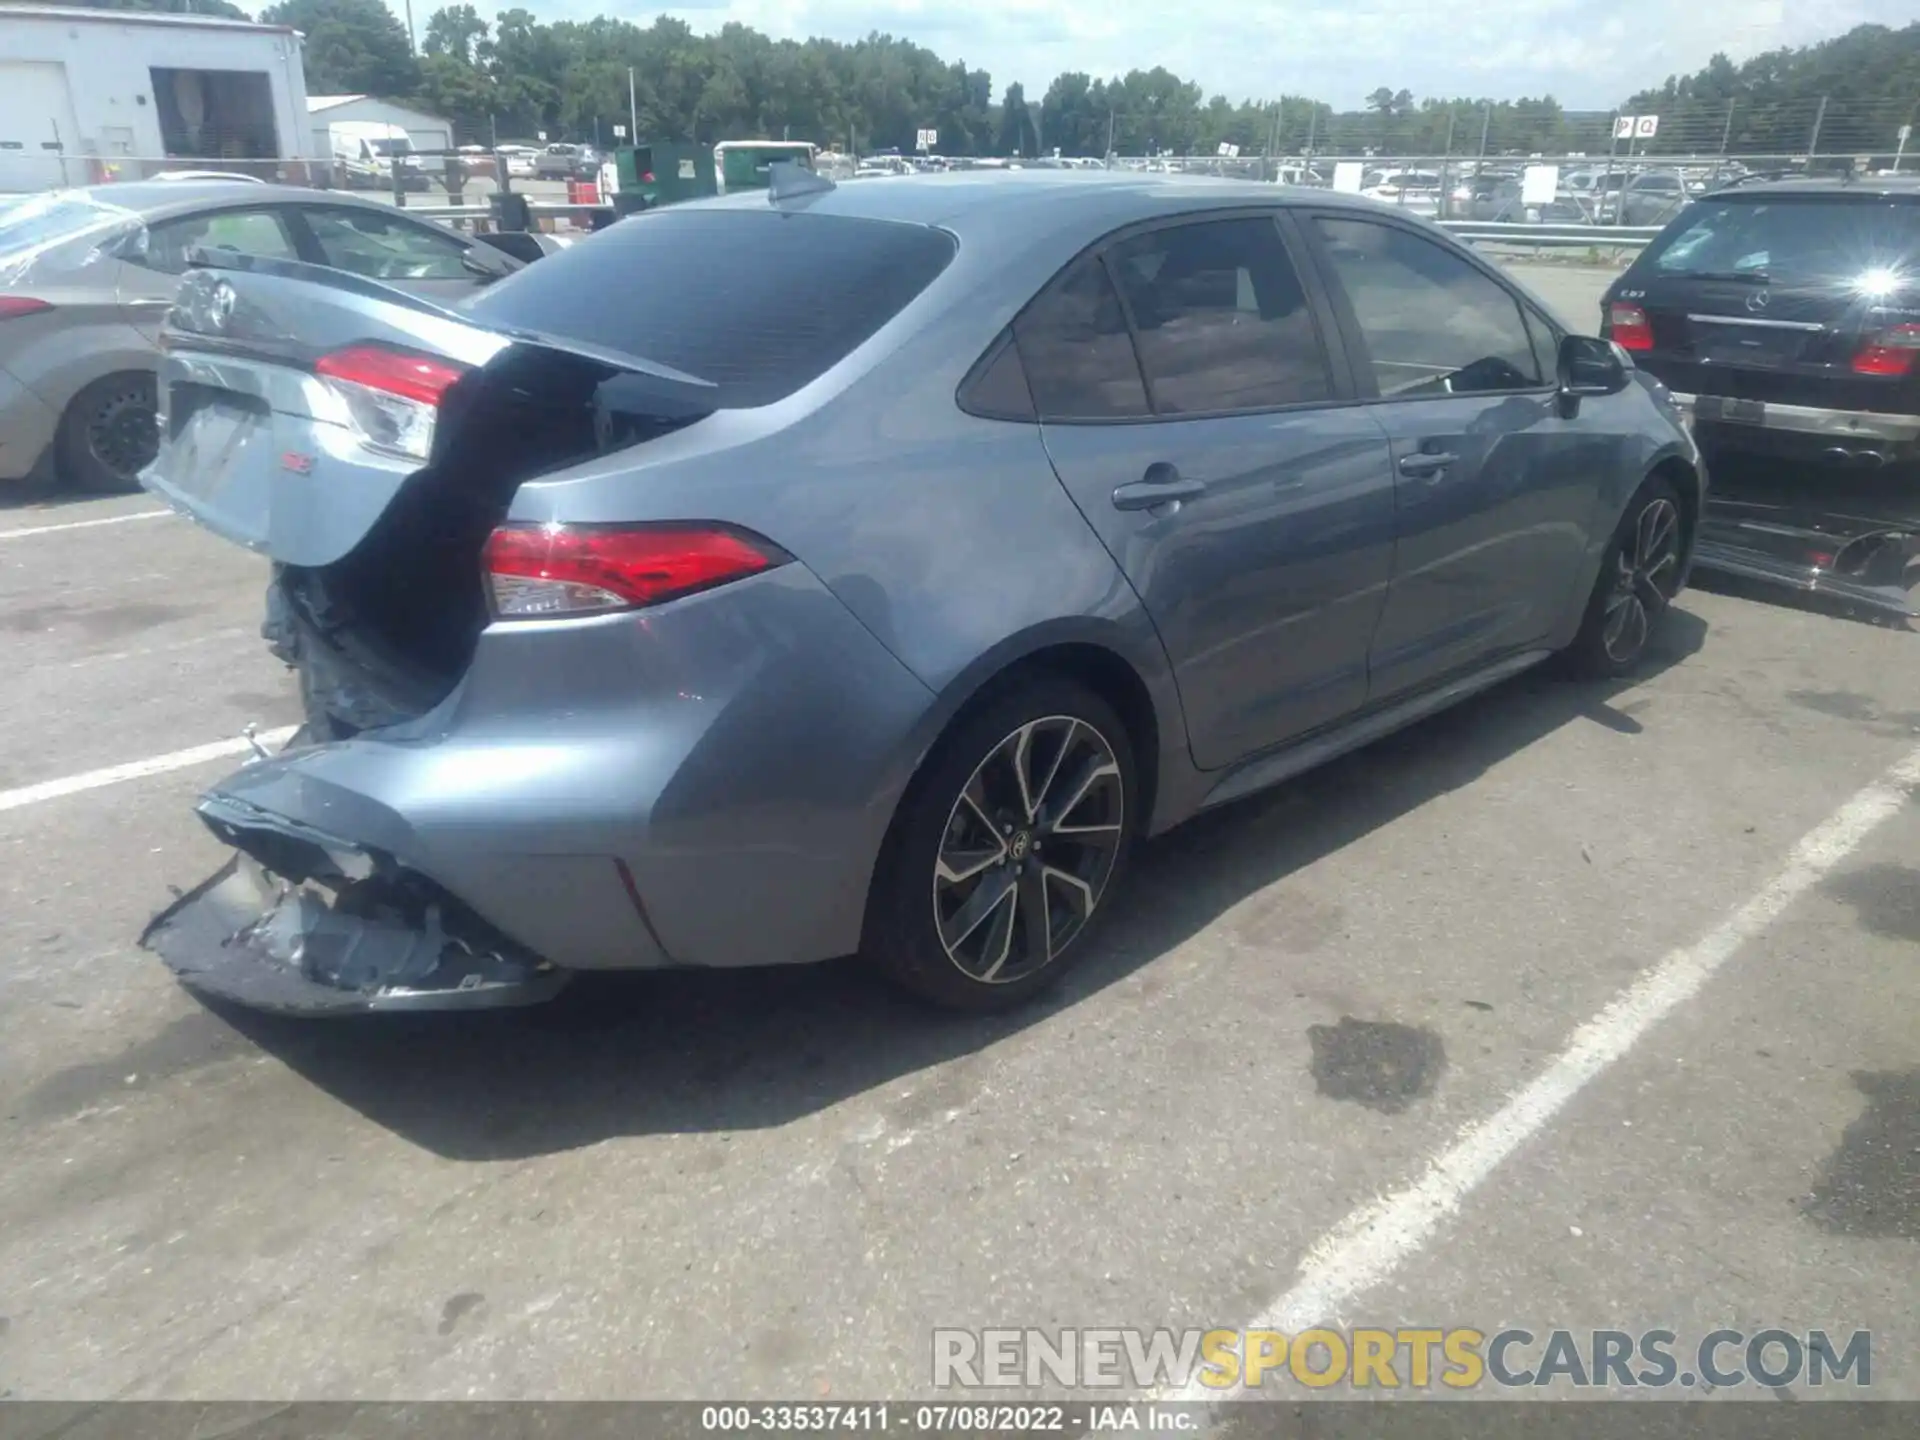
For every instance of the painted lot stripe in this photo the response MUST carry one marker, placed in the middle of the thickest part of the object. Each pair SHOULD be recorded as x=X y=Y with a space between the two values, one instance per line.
x=83 y=524
x=1373 y=1242
x=138 y=769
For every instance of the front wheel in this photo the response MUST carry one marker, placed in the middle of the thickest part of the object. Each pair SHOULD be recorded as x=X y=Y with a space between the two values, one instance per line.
x=110 y=433
x=1639 y=577
x=1006 y=849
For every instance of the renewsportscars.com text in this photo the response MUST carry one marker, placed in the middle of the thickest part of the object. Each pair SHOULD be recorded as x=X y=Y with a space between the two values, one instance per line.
x=1418 y=1358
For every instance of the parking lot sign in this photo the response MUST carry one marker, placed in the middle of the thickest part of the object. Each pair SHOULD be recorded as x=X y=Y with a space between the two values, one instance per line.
x=1623 y=127
x=1645 y=127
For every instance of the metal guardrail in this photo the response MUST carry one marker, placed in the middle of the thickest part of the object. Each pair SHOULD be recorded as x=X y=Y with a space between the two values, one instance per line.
x=1600 y=237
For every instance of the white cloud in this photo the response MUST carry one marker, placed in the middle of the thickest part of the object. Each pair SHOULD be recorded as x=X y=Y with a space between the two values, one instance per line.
x=1587 y=55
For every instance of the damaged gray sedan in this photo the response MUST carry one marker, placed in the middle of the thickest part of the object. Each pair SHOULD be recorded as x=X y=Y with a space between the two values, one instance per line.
x=831 y=571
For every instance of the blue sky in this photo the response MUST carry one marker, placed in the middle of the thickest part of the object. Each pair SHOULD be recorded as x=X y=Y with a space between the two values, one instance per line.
x=1590 y=54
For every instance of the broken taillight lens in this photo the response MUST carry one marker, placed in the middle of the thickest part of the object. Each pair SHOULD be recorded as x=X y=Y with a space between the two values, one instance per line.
x=536 y=571
x=392 y=396
x=1891 y=352
x=1628 y=327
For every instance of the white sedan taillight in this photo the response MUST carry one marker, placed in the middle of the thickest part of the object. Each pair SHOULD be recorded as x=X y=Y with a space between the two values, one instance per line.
x=392 y=396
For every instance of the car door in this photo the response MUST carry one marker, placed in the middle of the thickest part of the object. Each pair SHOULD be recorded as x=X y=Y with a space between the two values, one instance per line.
x=383 y=245
x=1185 y=380
x=155 y=264
x=1496 y=491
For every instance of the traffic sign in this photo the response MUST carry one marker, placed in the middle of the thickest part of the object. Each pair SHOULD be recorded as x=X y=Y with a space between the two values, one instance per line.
x=619 y=132
x=1623 y=127
x=1645 y=126
x=926 y=139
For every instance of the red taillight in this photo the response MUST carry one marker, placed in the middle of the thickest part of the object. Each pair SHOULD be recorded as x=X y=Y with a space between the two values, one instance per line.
x=647 y=179
x=392 y=397
x=14 y=306
x=540 y=570
x=1891 y=352
x=1629 y=328
x=422 y=379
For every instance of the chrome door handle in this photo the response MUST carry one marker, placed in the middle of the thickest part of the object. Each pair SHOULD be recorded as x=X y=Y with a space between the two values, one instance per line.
x=1426 y=463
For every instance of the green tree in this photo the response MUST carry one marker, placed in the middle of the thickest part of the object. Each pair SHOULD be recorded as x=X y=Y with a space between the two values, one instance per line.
x=457 y=32
x=354 y=47
x=1017 y=136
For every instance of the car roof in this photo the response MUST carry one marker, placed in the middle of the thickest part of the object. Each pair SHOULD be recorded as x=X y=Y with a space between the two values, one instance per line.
x=981 y=204
x=163 y=199
x=1862 y=187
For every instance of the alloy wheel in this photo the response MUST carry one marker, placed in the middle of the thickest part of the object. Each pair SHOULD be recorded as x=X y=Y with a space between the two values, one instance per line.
x=123 y=432
x=1646 y=578
x=1028 y=848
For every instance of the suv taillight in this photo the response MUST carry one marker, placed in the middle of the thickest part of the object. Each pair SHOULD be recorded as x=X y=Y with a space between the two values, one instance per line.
x=392 y=396
x=1628 y=327
x=1891 y=352
x=537 y=571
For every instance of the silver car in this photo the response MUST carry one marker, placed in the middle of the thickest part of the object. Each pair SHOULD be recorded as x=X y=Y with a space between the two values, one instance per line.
x=87 y=277
x=864 y=569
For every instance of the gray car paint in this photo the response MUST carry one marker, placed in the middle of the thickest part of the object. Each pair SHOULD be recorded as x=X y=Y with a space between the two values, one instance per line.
x=740 y=753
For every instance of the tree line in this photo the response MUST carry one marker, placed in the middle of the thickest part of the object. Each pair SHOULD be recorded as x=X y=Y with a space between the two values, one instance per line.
x=515 y=76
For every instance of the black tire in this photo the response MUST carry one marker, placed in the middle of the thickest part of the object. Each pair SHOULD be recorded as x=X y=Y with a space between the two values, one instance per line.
x=965 y=833
x=109 y=434
x=1639 y=576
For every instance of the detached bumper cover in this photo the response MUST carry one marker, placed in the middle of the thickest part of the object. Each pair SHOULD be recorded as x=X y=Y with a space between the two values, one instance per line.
x=1838 y=425
x=1865 y=561
x=349 y=936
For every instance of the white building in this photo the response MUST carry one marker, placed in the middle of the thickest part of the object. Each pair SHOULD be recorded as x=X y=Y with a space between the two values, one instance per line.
x=93 y=95
x=427 y=132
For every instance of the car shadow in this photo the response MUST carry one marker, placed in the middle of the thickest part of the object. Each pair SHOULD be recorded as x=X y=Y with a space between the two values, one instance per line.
x=696 y=1051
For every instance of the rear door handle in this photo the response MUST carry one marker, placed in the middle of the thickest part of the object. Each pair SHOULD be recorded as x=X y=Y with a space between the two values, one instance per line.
x=1425 y=462
x=1161 y=483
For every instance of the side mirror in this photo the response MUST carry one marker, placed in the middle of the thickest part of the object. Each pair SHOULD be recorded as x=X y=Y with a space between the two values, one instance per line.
x=1588 y=366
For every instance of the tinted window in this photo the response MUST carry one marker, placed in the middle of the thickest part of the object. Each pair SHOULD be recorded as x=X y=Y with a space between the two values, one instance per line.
x=760 y=302
x=1433 y=323
x=385 y=247
x=1222 y=320
x=249 y=232
x=998 y=389
x=1788 y=240
x=1079 y=358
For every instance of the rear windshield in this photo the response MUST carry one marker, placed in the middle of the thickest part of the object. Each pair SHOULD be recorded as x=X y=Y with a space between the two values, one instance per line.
x=760 y=302
x=1786 y=240
x=40 y=218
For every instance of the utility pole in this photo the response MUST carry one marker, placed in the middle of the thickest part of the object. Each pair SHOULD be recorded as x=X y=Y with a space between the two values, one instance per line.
x=633 y=111
x=1726 y=135
x=411 y=47
x=1109 y=155
x=1486 y=128
x=1819 y=117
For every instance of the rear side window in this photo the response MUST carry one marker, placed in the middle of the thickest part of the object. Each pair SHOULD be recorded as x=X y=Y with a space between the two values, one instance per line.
x=1433 y=323
x=1078 y=356
x=759 y=302
x=1790 y=240
x=1222 y=320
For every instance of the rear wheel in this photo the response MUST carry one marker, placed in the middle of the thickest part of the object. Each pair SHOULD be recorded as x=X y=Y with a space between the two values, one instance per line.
x=1006 y=850
x=1638 y=579
x=110 y=433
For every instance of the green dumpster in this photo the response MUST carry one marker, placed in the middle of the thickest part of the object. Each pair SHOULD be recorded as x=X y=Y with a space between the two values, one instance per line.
x=743 y=163
x=665 y=173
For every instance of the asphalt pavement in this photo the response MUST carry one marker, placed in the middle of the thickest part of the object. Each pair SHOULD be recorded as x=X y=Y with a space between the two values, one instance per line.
x=1578 y=1006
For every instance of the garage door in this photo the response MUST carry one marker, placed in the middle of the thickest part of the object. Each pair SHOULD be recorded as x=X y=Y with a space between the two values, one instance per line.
x=36 y=124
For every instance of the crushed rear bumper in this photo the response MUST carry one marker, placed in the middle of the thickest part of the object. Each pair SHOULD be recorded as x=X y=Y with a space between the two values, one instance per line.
x=1868 y=562
x=333 y=929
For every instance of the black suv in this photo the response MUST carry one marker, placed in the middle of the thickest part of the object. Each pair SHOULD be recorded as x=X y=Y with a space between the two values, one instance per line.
x=1784 y=314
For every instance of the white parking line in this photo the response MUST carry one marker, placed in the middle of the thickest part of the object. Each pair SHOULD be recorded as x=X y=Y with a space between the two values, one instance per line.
x=82 y=524
x=137 y=769
x=1374 y=1241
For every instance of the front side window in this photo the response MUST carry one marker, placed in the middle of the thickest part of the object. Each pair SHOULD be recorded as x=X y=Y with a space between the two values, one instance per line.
x=1433 y=323
x=384 y=247
x=1078 y=356
x=1222 y=319
x=245 y=232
